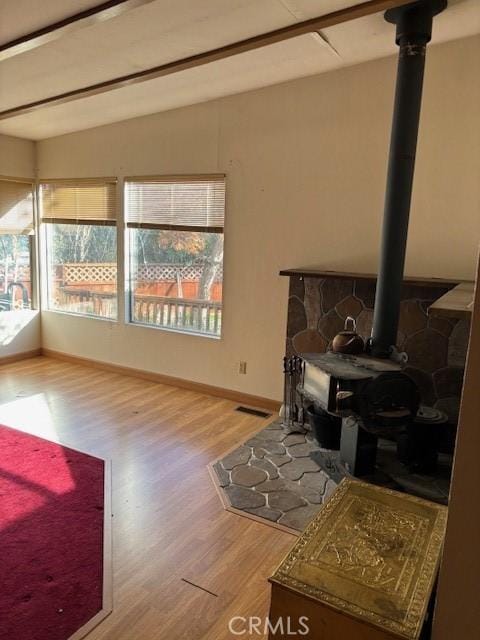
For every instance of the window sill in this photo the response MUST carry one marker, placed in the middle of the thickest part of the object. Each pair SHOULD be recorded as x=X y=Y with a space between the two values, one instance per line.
x=24 y=310
x=195 y=334
x=76 y=314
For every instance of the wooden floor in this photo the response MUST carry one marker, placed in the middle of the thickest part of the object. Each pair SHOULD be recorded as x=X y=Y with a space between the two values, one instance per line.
x=168 y=525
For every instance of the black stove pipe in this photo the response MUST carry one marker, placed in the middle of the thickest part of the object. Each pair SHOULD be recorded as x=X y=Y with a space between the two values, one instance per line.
x=414 y=30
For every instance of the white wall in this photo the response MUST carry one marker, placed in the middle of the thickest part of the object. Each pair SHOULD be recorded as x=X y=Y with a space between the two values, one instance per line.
x=305 y=164
x=19 y=331
x=457 y=617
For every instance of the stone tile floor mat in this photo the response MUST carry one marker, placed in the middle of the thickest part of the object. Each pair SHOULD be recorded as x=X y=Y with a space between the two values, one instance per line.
x=272 y=476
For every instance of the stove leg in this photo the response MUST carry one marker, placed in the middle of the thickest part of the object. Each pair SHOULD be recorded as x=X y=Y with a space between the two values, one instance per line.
x=358 y=448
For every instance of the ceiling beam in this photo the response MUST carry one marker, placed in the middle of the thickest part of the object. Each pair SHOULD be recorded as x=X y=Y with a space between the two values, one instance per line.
x=88 y=17
x=207 y=57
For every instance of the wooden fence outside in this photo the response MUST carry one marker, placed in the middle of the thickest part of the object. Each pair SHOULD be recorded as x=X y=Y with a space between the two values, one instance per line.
x=197 y=316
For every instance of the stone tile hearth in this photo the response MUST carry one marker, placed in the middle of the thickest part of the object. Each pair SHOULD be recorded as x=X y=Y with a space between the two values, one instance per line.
x=272 y=476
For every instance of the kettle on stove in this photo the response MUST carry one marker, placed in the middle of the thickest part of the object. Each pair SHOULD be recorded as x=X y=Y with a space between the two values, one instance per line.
x=348 y=340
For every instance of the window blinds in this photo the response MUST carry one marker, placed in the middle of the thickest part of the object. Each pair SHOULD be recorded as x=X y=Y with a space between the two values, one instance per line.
x=185 y=203
x=78 y=201
x=16 y=207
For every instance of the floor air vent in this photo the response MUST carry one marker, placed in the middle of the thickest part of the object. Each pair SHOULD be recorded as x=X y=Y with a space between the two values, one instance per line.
x=254 y=412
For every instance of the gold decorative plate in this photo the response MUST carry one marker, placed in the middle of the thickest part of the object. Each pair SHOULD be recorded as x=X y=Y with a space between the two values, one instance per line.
x=371 y=553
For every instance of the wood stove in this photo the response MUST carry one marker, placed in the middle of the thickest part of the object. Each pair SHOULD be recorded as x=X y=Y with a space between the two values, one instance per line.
x=373 y=397
x=370 y=392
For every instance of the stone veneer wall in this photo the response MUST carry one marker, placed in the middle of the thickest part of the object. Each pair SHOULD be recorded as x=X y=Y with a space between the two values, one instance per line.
x=436 y=347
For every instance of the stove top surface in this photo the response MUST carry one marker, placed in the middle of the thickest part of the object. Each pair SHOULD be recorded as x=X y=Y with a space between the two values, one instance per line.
x=353 y=367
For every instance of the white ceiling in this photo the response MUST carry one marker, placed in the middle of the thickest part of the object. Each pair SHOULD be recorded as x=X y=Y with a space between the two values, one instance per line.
x=20 y=17
x=165 y=30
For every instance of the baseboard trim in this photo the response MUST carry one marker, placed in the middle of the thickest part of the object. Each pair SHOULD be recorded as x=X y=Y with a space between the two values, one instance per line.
x=199 y=387
x=24 y=355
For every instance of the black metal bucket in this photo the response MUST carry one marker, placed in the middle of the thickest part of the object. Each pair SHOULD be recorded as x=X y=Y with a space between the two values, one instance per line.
x=419 y=444
x=326 y=428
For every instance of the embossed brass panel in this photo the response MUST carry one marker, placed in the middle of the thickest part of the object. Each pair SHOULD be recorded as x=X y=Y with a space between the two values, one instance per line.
x=371 y=553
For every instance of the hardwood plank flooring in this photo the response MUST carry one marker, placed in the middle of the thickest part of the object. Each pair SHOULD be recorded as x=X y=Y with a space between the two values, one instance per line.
x=170 y=531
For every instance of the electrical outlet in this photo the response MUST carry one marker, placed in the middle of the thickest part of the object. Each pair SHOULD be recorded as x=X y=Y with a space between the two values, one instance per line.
x=242 y=368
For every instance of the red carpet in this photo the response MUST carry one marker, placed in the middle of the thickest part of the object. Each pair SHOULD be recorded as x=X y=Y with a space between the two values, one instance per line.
x=51 y=538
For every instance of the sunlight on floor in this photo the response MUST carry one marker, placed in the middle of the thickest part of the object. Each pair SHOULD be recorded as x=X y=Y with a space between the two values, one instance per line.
x=28 y=500
x=31 y=414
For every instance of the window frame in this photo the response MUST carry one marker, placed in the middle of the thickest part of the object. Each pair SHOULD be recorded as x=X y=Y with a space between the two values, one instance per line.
x=35 y=298
x=130 y=228
x=43 y=229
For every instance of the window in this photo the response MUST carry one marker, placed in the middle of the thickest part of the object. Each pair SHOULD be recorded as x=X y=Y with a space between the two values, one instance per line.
x=176 y=251
x=16 y=243
x=81 y=242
